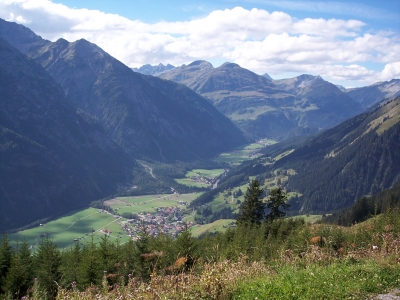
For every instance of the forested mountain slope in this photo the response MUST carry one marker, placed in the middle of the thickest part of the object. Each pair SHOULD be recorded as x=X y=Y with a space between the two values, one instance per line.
x=359 y=157
x=264 y=108
x=168 y=124
x=52 y=159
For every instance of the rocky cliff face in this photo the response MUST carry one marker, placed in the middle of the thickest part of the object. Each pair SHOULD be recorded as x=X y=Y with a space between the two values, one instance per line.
x=52 y=159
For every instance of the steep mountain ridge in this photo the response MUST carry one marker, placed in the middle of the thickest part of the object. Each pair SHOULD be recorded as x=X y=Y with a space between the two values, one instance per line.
x=133 y=111
x=53 y=159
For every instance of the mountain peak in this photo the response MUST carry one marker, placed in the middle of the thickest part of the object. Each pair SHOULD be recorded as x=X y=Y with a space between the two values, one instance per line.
x=229 y=65
x=202 y=63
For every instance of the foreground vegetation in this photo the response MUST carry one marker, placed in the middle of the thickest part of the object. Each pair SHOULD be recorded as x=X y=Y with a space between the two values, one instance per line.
x=276 y=260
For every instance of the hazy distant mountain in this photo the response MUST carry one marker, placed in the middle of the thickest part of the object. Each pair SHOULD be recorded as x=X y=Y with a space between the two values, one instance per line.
x=52 y=159
x=172 y=123
x=370 y=95
x=263 y=108
x=267 y=76
x=319 y=103
x=341 y=87
x=153 y=70
x=250 y=100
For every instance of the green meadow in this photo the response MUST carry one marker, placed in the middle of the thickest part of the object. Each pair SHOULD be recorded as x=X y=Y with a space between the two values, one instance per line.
x=64 y=230
x=211 y=227
x=149 y=204
x=211 y=174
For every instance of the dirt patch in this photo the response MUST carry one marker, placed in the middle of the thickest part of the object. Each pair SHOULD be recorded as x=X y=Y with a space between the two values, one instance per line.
x=393 y=295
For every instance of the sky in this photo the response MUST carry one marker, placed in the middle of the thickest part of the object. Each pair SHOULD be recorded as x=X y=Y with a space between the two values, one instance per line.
x=351 y=43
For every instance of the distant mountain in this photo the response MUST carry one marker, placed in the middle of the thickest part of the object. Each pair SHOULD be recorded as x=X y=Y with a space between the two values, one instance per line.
x=341 y=87
x=276 y=109
x=359 y=157
x=319 y=103
x=53 y=160
x=168 y=124
x=370 y=95
x=153 y=70
x=267 y=76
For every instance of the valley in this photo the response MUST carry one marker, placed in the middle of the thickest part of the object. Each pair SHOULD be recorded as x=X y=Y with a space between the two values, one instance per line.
x=161 y=213
x=203 y=180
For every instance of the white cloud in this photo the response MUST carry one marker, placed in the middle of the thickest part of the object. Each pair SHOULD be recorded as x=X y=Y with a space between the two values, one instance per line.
x=272 y=42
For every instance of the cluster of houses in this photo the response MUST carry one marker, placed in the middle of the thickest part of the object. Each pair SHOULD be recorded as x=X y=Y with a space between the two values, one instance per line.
x=166 y=220
x=202 y=179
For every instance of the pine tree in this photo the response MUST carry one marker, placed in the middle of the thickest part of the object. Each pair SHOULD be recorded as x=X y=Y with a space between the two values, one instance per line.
x=89 y=271
x=277 y=199
x=6 y=254
x=142 y=250
x=20 y=275
x=71 y=260
x=47 y=267
x=186 y=246
x=252 y=209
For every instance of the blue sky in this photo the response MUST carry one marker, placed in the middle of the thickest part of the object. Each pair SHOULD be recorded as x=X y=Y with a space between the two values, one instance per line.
x=352 y=43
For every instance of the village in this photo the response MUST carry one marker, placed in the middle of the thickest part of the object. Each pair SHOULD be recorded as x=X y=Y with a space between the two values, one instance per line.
x=165 y=220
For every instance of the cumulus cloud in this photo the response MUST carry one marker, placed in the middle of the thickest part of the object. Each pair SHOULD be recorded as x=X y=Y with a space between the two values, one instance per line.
x=272 y=42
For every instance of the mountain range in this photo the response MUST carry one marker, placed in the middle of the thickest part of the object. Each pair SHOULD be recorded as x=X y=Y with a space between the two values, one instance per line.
x=74 y=122
x=165 y=124
x=262 y=107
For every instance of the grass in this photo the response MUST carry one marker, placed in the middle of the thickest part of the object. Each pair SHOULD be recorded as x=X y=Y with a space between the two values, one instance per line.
x=64 y=230
x=309 y=218
x=141 y=204
x=340 y=280
x=245 y=152
x=278 y=157
x=211 y=227
x=210 y=174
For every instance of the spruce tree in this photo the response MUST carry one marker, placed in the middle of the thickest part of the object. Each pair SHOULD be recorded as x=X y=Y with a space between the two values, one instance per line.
x=89 y=271
x=6 y=254
x=20 y=275
x=277 y=200
x=252 y=209
x=186 y=246
x=47 y=267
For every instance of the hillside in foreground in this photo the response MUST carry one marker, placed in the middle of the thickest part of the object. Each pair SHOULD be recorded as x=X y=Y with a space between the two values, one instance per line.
x=284 y=259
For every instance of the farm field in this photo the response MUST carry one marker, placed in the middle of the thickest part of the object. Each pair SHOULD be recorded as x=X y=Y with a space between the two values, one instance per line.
x=64 y=230
x=149 y=203
x=201 y=177
x=211 y=227
x=239 y=155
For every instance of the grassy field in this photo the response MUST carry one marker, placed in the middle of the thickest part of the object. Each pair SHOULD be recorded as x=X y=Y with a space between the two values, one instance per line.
x=141 y=204
x=241 y=154
x=199 y=173
x=278 y=157
x=64 y=230
x=79 y=224
x=211 y=227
